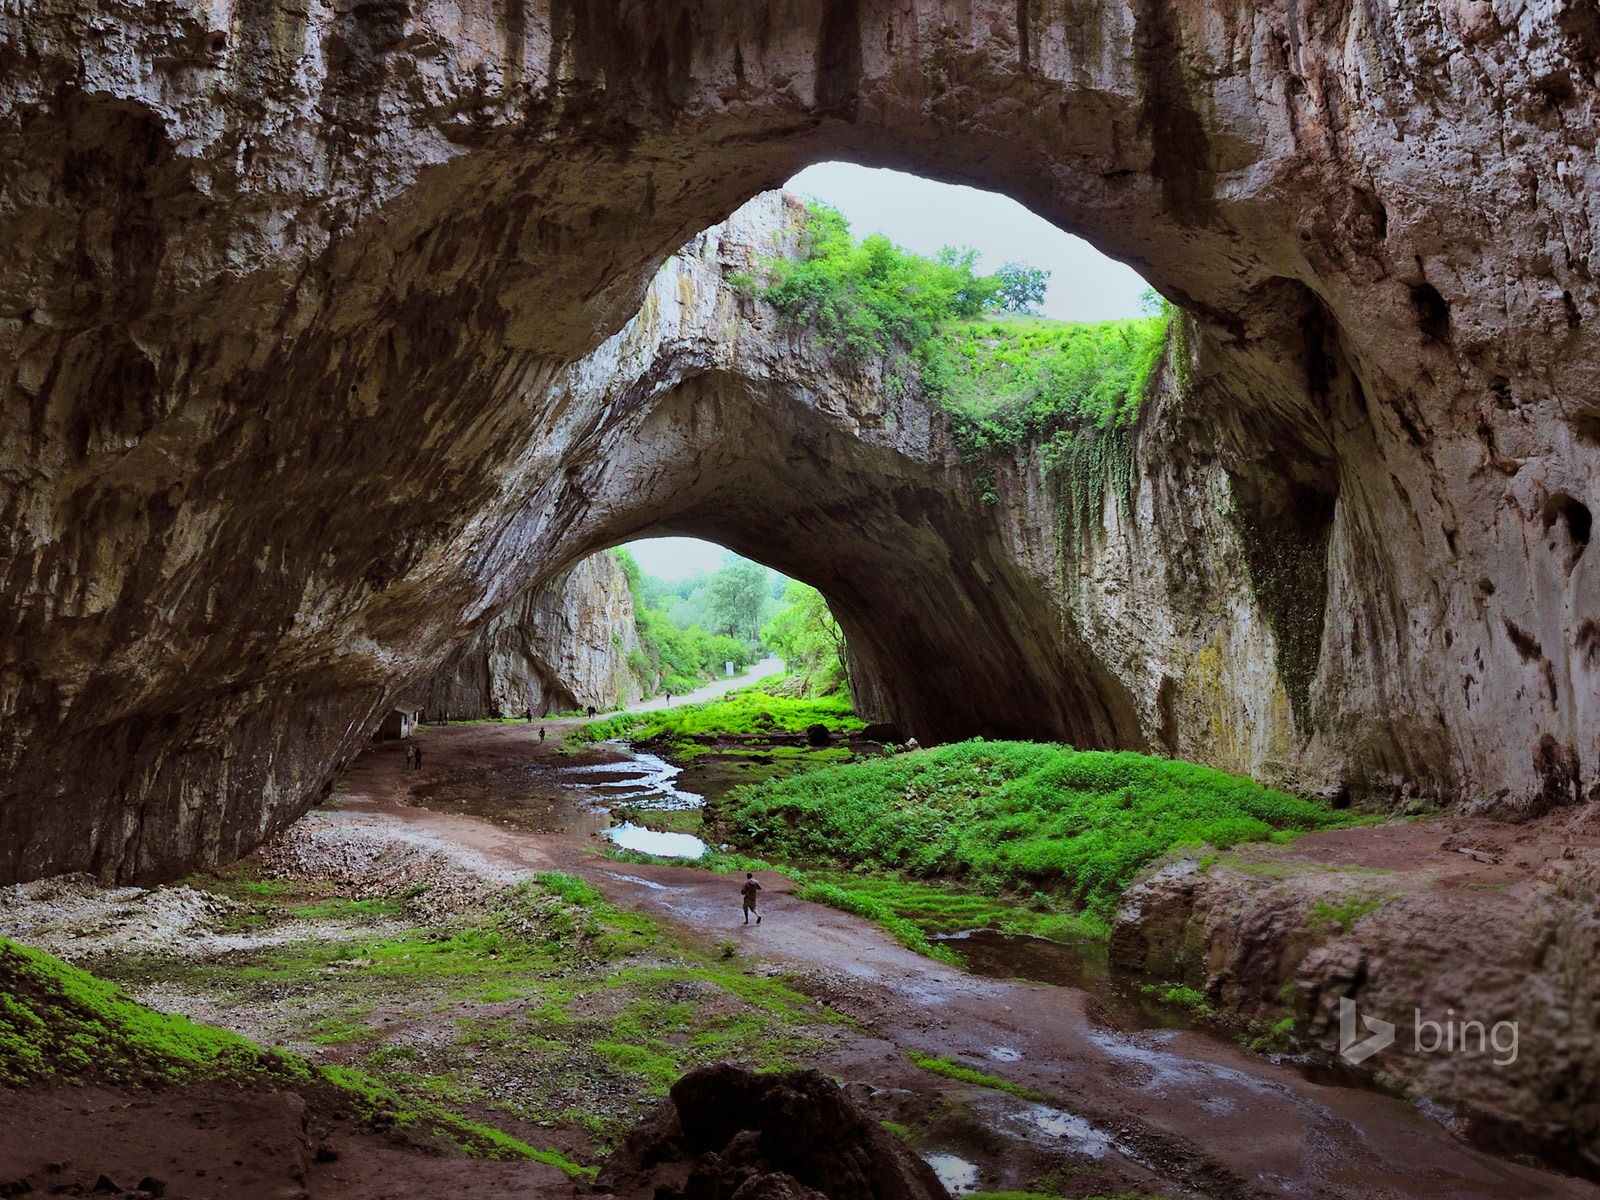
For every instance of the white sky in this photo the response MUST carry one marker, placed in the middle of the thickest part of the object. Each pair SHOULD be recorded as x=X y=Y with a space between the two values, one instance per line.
x=923 y=216
x=675 y=558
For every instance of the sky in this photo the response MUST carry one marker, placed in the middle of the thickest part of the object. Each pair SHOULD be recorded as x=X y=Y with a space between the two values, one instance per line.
x=924 y=216
x=675 y=558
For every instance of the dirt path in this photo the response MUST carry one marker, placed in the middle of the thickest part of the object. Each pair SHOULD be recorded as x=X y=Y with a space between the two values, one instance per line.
x=720 y=687
x=1183 y=1109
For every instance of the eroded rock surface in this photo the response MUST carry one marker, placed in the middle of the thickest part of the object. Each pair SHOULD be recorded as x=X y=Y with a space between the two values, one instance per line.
x=319 y=349
x=561 y=646
x=1430 y=926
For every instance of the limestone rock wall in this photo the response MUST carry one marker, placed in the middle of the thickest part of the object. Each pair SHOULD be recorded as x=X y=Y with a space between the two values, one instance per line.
x=562 y=646
x=321 y=340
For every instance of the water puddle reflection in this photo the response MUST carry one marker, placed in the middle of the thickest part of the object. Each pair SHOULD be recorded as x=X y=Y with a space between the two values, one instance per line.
x=639 y=783
x=653 y=841
x=957 y=1174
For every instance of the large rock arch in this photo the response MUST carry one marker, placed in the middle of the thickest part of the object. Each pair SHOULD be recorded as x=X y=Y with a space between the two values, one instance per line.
x=292 y=290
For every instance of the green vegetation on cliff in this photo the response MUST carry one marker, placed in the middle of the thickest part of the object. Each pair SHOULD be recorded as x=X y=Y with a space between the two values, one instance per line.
x=1019 y=816
x=810 y=642
x=1007 y=380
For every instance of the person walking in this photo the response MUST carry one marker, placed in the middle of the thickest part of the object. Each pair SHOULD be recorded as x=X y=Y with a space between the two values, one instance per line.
x=418 y=763
x=748 y=891
x=410 y=753
x=541 y=733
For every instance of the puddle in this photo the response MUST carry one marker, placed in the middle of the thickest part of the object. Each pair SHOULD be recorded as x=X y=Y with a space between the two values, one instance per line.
x=957 y=1174
x=1022 y=956
x=640 y=782
x=652 y=841
x=649 y=883
x=1080 y=965
x=642 y=779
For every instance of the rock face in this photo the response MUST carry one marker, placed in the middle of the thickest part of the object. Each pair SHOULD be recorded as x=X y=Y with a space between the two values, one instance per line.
x=562 y=646
x=728 y=1132
x=323 y=340
x=1419 y=934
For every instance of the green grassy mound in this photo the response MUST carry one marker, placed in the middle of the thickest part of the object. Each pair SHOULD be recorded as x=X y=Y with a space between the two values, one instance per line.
x=57 y=1022
x=1015 y=816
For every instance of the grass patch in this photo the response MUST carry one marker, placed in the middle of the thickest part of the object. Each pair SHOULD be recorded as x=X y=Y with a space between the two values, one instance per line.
x=57 y=1022
x=951 y=1069
x=863 y=905
x=1340 y=915
x=63 y=1024
x=938 y=906
x=550 y=1006
x=1021 y=816
x=1179 y=996
x=741 y=712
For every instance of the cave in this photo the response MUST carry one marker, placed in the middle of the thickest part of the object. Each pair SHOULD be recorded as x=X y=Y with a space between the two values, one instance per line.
x=333 y=334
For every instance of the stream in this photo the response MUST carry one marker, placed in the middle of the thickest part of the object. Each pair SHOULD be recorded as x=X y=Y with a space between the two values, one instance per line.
x=642 y=781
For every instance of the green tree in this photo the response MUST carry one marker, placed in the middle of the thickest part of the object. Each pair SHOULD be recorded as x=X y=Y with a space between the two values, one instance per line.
x=809 y=641
x=1022 y=287
x=733 y=599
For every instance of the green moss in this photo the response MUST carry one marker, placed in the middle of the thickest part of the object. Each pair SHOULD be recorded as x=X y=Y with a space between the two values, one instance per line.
x=59 y=1022
x=951 y=1069
x=1270 y=1037
x=904 y=931
x=740 y=712
x=1019 y=816
x=1180 y=996
x=1340 y=915
x=904 y=1132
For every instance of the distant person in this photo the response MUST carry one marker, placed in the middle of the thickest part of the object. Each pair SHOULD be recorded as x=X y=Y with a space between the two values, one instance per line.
x=669 y=697
x=748 y=891
x=541 y=733
x=418 y=764
x=592 y=711
x=410 y=754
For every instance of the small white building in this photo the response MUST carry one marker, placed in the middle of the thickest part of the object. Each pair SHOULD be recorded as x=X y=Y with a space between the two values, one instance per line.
x=401 y=722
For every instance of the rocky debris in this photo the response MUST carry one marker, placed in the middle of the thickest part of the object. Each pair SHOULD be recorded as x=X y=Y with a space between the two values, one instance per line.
x=437 y=882
x=78 y=917
x=564 y=645
x=728 y=1133
x=77 y=914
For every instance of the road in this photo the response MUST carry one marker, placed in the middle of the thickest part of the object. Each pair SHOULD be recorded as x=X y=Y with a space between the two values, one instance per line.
x=720 y=687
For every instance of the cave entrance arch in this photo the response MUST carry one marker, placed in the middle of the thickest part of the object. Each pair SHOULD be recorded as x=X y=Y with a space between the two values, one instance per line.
x=481 y=204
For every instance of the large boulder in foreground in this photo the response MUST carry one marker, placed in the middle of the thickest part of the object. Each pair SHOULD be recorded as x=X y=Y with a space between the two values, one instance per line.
x=727 y=1132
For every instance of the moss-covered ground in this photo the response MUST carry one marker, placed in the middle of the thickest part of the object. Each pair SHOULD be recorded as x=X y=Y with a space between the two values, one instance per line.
x=1020 y=818
x=545 y=1007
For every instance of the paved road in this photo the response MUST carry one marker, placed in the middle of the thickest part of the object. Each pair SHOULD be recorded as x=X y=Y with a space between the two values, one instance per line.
x=767 y=666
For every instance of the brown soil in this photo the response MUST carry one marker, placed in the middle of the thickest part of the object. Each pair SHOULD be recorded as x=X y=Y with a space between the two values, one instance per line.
x=1163 y=1112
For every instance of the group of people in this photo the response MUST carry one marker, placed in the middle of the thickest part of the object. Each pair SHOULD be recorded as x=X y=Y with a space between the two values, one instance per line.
x=414 y=757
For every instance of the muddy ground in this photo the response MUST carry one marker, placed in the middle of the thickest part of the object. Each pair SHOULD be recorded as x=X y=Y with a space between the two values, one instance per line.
x=1010 y=1085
